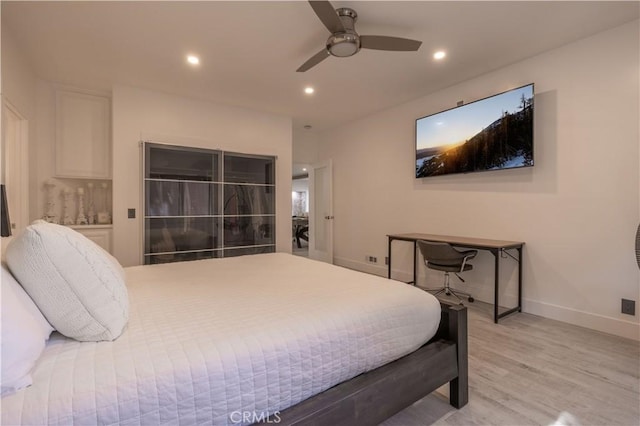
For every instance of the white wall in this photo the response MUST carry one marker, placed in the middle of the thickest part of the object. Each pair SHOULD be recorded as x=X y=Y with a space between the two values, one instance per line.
x=577 y=209
x=19 y=89
x=139 y=114
x=305 y=146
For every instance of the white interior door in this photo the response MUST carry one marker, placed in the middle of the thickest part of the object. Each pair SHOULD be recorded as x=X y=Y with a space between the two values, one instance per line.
x=321 y=212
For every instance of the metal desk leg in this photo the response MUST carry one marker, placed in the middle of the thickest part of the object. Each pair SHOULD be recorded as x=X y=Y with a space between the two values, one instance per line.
x=415 y=262
x=519 y=307
x=389 y=259
x=520 y=279
x=496 y=303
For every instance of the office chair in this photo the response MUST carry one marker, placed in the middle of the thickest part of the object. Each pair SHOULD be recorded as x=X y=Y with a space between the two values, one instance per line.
x=443 y=257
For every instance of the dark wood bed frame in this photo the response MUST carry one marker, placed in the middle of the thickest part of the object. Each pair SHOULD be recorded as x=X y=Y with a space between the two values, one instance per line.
x=373 y=397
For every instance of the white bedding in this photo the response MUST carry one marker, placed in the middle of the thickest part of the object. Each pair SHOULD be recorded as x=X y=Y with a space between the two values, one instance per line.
x=212 y=339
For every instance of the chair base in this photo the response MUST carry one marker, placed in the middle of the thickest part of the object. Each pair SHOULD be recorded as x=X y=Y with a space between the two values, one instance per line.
x=449 y=291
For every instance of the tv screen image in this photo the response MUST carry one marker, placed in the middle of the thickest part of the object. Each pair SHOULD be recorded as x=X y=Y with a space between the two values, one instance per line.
x=489 y=134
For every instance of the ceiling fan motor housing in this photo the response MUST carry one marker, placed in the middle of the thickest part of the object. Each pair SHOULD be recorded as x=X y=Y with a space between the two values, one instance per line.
x=347 y=43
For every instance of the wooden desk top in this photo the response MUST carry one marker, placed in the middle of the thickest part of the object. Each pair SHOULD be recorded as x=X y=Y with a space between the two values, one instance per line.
x=459 y=241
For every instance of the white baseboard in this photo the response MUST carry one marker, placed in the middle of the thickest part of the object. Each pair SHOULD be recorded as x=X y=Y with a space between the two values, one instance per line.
x=618 y=327
x=481 y=294
x=615 y=326
x=369 y=268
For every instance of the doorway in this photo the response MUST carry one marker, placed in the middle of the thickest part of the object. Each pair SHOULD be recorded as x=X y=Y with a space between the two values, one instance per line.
x=300 y=210
x=312 y=211
x=321 y=211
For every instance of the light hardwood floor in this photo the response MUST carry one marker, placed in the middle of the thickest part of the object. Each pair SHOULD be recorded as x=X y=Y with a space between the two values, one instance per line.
x=529 y=370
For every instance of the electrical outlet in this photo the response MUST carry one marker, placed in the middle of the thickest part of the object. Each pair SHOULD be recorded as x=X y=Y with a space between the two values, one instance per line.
x=386 y=260
x=371 y=259
x=374 y=259
x=628 y=307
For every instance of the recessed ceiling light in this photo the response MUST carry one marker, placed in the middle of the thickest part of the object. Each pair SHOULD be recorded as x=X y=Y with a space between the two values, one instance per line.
x=304 y=169
x=307 y=126
x=309 y=90
x=439 y=55
x=193 y=60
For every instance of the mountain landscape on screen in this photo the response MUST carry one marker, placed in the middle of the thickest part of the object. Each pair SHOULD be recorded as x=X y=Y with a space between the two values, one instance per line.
x=506 y=142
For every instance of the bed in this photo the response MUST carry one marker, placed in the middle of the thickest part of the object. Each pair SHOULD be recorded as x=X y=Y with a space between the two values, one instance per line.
x=263 y=338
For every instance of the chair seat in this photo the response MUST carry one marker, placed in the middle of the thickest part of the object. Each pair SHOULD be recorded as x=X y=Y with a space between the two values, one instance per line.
x=448 y=268
x=444 y=257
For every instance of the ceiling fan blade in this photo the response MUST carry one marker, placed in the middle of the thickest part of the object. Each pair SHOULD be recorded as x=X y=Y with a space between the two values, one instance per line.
x=389 y=43
x=314 y=60
x=327 y=15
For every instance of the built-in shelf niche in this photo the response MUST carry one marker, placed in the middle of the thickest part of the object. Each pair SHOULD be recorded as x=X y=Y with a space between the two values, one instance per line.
x=96 y=196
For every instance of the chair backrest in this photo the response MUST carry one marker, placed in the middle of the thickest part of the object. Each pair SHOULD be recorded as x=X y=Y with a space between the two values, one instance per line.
x=440 y=253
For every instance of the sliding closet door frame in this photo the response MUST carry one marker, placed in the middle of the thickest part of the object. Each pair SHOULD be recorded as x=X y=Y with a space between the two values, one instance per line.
x=219 y=180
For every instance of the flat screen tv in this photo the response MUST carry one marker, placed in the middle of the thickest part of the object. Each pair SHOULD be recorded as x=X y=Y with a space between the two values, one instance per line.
x=493 y=133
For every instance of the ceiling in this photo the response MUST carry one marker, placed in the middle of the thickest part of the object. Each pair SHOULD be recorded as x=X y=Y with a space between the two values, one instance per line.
x=249 y=50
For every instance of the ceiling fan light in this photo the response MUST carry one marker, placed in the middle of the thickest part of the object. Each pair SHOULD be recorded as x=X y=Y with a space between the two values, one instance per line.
x=344 y=49
x=343 y=45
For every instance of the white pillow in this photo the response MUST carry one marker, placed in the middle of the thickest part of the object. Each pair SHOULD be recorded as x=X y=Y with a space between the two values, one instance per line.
x=24 y=333
x=78 y=286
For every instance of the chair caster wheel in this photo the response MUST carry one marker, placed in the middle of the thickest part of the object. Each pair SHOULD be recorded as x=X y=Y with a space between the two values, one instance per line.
x=471 y=299
x=461 y=304
x=447 y=293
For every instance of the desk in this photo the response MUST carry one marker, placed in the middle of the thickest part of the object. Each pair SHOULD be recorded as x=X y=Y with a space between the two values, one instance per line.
x=496 y=247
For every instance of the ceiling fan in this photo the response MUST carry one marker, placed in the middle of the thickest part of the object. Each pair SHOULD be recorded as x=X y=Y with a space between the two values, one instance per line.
x=345 y=41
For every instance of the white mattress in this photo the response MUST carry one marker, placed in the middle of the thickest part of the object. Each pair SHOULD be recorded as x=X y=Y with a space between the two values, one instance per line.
x=210 y=338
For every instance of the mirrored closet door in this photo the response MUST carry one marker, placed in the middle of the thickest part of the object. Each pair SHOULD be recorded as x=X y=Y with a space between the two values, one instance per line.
x=203 y=204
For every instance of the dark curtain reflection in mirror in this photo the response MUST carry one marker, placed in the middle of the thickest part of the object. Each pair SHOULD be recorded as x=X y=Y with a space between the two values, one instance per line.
x=167 y=198
x=247 y=205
